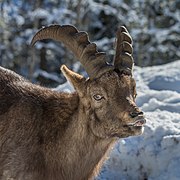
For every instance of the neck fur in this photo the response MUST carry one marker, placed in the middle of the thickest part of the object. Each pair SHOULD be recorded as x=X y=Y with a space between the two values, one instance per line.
x=86 y=150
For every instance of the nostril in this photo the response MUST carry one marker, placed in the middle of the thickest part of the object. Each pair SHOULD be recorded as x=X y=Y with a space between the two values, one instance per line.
x=140 y=113
x=135 y=114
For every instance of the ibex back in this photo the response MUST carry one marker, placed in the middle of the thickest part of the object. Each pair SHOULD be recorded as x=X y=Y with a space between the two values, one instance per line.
x=47 y=135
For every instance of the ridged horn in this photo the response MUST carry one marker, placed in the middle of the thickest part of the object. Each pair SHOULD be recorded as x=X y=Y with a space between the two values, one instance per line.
x=94 y=62
x=123 y=60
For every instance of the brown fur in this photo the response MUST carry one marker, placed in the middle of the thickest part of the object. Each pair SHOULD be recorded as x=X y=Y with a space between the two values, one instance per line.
x=46 y=135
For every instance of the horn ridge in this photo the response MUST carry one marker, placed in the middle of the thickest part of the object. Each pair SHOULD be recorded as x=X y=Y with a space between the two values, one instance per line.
x=78 y=42
x=123 y=60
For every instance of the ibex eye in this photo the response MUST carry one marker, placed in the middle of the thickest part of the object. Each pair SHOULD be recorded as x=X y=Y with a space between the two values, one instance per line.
x=97 y=97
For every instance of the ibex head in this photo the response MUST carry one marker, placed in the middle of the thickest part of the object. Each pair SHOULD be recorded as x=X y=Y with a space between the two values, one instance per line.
x=107 y=97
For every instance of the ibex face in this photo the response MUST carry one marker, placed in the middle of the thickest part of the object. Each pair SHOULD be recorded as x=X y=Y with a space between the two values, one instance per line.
x=109 y=103
x=113 y=112
x=108 y=95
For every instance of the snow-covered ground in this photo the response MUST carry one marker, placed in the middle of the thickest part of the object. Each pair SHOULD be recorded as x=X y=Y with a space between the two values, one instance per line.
x=155 y=155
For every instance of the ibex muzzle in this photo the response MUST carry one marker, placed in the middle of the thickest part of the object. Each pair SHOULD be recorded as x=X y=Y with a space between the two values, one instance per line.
x=44 y=134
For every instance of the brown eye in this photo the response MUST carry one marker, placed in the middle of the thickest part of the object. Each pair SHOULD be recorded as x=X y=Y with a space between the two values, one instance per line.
x=98 y=97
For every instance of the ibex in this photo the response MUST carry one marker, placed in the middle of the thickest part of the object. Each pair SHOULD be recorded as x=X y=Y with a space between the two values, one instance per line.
x=48 y=135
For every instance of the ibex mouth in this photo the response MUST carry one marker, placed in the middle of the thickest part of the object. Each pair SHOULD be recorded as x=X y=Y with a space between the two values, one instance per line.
x=138 y=123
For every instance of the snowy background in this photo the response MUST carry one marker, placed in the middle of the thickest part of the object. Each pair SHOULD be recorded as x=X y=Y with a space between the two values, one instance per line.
x=155 y=28
x=156 y=154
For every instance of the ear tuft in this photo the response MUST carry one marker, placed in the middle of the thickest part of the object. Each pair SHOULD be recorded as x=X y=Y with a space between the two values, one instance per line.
x=68 y=73
x=74 y=78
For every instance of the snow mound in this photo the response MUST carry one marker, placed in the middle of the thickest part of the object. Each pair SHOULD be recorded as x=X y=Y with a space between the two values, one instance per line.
x=164 y=77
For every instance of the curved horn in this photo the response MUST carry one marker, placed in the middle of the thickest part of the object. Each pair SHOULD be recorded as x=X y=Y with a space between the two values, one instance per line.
x=123 y=60
x=94 y=62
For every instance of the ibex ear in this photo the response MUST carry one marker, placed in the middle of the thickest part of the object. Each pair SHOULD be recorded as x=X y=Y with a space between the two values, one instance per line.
x=75 y=79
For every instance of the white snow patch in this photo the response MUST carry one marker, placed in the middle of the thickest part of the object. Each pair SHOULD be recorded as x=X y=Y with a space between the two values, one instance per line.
x=66 y=87
x=40 y=13
x=47 y=75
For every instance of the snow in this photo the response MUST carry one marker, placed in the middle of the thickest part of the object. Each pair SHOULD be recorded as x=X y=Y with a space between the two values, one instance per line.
x=47 y=75
x=155 y=155
x=66 y=87
x=40 y=13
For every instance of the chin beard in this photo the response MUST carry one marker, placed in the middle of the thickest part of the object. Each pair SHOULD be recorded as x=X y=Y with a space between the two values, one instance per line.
x=130 y=131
